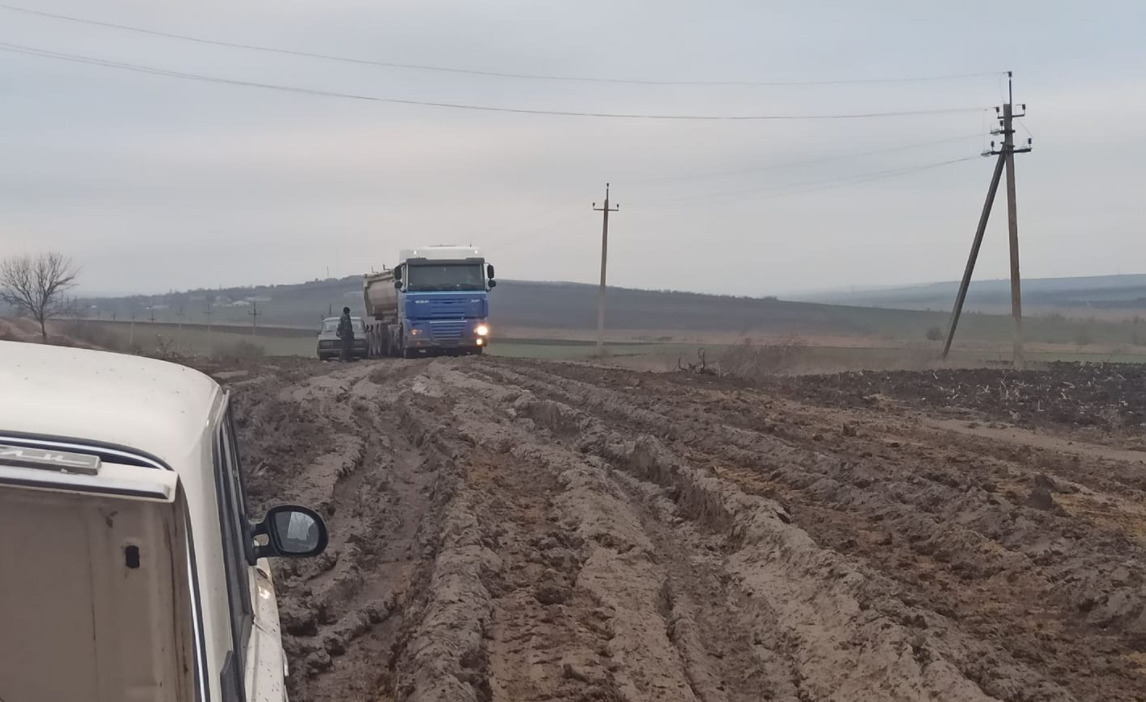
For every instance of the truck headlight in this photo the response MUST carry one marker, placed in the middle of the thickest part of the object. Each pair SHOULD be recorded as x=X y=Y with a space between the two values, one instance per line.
x=482 y=330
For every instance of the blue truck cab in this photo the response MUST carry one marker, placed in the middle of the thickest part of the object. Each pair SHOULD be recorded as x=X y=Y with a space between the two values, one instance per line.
x=436 y=300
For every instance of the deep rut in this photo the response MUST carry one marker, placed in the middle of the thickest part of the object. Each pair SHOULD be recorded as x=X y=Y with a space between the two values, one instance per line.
x=521 y=531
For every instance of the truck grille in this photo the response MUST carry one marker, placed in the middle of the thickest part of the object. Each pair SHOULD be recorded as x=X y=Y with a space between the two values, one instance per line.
x=446 y=308
x=452 y=330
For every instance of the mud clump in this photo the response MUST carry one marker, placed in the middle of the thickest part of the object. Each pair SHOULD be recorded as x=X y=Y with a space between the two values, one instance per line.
x=552 y=593
x=1042 y=480
x=1042 y=498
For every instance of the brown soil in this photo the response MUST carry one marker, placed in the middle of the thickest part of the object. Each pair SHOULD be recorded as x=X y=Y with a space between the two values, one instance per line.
x=526 y=531
x=1105 y=397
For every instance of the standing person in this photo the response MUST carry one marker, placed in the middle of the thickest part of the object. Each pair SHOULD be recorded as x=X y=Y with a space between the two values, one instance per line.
x=346 y=334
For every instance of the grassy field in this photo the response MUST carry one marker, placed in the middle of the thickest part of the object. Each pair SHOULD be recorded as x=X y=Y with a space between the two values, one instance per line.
x=194 y=340
x=577 y=350
x=197 y=340
x=567 y=308
x=792 y=355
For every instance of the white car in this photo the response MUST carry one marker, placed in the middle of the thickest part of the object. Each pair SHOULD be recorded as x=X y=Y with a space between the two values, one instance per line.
x=128 y=567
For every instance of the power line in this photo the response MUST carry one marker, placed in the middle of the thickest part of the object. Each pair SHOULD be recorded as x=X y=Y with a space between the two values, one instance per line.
x=77 y=58
x=822 y=181
x=530 y=228
x=793 y=164
x=490 y=74
x=799 y=189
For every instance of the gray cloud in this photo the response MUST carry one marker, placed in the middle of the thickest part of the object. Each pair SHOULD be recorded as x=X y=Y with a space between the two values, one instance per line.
x=156 y=183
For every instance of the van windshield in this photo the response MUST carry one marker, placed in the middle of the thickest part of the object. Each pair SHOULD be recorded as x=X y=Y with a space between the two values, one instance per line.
x=428 y=277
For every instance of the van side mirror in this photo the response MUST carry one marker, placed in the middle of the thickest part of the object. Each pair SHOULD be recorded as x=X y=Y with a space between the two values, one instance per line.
x=291 y=532
x=492 y=283
x=489 y=271
x=397 y=283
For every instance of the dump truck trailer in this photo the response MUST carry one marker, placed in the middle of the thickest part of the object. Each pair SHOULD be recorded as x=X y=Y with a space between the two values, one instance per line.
x=435 y=300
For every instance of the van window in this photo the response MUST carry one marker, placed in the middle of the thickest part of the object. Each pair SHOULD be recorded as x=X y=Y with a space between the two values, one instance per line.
x=237 y=547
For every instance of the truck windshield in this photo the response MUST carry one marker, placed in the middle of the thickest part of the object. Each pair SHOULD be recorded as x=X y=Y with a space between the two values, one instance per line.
x=444 y=276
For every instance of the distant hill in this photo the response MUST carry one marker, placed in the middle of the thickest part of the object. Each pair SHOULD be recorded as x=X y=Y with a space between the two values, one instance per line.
x=572 y=307
x=1126 y=292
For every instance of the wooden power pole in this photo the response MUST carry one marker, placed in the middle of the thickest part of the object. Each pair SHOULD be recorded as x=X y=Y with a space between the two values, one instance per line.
x=604 y=259
x=1006 y=161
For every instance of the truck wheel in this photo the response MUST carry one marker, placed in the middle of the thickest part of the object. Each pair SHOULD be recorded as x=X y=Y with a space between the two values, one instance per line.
x=403 y=350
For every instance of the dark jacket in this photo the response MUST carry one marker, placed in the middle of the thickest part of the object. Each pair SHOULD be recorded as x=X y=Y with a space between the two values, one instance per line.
x=345 y=328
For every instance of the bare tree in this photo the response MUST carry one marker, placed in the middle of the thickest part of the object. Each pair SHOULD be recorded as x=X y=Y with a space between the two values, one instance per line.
x=37 y=286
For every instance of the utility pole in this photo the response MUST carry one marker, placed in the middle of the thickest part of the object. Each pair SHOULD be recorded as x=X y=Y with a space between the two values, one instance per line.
x=207 y=312
x=1013 y=231
x=604 y=260
x=254 y=317
x=978 y=242
x=179 y=315
x=1006 y=161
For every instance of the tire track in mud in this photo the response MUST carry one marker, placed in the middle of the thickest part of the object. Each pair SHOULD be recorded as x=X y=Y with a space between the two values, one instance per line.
x=878 y=648
x=1027 y=589
x=526 y=531
x=802 y=600
x=543 y=582
x=337 y=440
x=567 y=606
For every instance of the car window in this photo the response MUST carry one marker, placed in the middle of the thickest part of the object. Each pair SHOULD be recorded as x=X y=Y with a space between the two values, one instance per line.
x=331 y=325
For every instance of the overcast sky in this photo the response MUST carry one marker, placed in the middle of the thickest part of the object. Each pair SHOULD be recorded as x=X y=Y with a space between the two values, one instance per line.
x=154 y=183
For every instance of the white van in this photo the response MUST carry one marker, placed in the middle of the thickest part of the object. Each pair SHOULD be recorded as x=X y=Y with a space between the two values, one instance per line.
x=129 y=570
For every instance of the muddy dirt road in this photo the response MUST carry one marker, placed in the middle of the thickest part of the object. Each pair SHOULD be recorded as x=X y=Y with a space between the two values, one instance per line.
x=525 y=531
